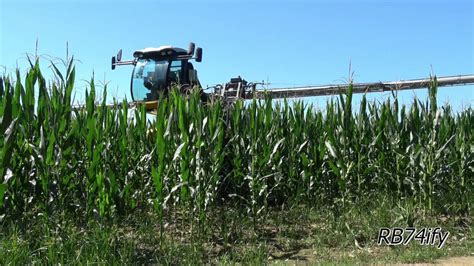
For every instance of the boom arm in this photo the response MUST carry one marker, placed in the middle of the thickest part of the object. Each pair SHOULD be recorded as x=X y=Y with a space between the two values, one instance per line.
x=238 y=88
x=241 y=89
x=310 y=91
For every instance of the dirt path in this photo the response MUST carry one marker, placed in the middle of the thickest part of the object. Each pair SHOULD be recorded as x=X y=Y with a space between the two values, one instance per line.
x=448 y=261
x=308 y=257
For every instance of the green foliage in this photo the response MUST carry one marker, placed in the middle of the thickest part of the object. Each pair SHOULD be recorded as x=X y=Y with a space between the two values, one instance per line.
x=107 y=161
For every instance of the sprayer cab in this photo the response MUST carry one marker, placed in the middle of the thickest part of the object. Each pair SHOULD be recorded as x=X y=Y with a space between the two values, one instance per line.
x=156 y=70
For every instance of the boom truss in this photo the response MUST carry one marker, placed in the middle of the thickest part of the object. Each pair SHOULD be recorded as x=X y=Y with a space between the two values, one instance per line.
x=240 y=89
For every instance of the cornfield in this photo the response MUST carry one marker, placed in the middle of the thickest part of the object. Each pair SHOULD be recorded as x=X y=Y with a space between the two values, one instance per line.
x=103 y=161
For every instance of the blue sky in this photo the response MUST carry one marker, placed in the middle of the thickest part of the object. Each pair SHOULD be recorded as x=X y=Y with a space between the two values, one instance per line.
x=288 y=43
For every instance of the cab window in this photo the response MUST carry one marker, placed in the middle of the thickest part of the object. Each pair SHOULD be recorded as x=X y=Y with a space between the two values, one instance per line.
x=175 y=74
x=148 y=78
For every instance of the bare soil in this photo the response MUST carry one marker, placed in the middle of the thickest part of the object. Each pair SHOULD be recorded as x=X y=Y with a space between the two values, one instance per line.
x=449 y=261
x=309 y=257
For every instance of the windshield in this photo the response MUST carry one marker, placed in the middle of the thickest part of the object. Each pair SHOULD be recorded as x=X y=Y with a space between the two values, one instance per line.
x=149 y=77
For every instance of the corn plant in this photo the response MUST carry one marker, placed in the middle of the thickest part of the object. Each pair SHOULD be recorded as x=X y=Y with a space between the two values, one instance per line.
x=106 y=161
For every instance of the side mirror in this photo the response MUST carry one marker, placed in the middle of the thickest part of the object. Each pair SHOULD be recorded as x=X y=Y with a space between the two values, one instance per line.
x=113 y=62
x=199 y=54
x=119 y=55
x=191 y=49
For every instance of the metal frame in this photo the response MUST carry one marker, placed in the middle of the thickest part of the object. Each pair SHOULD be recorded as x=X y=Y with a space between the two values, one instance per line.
x=333 y=89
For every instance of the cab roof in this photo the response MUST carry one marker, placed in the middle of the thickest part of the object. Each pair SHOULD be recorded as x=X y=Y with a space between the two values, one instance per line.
x=160 y=52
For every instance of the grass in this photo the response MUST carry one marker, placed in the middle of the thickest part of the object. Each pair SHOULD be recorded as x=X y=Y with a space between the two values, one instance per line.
x=250 y=183
x=298 y=234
